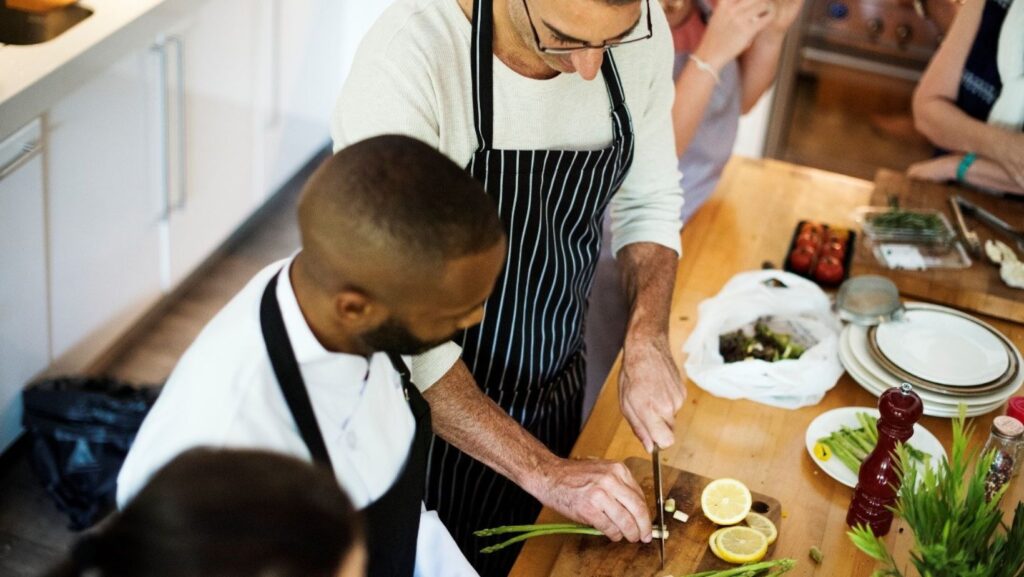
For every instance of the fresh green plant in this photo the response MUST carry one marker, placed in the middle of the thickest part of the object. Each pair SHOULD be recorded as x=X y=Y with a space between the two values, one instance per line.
x=956 y=529
x=761 y=569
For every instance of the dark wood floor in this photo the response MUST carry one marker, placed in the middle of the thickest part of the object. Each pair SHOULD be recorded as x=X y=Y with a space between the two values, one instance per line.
x=33 y=533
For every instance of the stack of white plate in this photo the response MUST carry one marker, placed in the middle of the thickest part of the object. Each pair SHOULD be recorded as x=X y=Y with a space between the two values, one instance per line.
x=948 y=356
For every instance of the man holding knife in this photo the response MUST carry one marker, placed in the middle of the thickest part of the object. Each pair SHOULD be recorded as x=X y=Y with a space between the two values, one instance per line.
x=561 y=109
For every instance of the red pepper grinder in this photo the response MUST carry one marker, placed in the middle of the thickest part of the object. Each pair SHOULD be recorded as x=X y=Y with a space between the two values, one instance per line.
x=878 y=481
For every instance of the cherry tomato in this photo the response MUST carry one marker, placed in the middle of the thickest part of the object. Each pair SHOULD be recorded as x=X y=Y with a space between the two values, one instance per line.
x=828 y=270
x=809 y=238
x=812 y=227
x=834 y=248
x=801 y=258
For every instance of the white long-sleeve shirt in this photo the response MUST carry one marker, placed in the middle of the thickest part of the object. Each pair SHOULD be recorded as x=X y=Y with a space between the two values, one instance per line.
x=412 y=76
x=224 y=393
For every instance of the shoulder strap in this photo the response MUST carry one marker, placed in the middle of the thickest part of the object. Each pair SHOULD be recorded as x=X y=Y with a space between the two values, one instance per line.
x=289 y=378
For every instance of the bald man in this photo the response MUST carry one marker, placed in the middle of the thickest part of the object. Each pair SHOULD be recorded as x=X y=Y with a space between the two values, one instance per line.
x=400 y=249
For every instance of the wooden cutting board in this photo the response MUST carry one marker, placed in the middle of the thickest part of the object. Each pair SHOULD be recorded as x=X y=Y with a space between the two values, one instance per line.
x=686 y=550
x=978 y=288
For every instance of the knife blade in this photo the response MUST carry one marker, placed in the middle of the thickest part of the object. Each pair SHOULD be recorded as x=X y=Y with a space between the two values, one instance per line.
x=659 y=502
x=969 y=237
x=991 y=220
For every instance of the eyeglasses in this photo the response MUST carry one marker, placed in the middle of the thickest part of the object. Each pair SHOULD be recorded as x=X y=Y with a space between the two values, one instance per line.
x=569 y=49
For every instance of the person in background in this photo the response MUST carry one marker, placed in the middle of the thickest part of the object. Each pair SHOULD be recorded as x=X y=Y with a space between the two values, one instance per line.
x=227 y=513
x=970 y=101
x=726 y=58
x=400 y=249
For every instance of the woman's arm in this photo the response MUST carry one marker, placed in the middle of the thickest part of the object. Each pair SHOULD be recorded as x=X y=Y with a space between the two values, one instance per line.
x=937 y=116
x=983 y=173
x=760 y=62
x=730 y=32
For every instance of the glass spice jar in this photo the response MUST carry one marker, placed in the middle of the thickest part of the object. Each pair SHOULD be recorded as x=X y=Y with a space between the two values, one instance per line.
x=1005 y=440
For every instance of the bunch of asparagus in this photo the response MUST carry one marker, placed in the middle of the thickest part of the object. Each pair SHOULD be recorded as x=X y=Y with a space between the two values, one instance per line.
x=852 y=446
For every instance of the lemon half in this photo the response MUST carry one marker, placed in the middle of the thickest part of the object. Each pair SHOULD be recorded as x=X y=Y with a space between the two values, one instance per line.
x=763 y=525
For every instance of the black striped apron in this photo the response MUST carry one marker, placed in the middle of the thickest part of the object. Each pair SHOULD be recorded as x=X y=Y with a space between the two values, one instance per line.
x=527 y=353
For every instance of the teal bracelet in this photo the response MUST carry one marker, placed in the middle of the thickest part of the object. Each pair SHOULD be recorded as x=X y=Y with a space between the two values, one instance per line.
x=961 y=171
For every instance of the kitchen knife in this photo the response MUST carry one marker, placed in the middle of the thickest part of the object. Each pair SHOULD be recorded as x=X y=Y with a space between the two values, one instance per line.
x=969 y=237
x=991 y=220
x=659 y=502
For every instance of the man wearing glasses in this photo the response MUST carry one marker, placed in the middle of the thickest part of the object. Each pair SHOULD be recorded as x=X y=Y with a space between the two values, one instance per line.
x=561 y=108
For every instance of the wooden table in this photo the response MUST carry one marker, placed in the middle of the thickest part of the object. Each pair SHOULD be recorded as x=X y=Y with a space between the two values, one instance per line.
x=749 y=220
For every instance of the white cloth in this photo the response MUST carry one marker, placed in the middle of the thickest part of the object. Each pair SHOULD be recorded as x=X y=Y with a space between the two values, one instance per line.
x=412 y=76
x=223 y=393
x=1008 y=110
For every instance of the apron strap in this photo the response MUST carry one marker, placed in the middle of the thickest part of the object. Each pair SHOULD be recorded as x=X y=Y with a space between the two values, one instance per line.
x=286 y=368
x=481 y=57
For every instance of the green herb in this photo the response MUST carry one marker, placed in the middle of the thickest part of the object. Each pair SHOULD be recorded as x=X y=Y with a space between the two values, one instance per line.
x=852 y=446
x=908 y=221
x=958 y=532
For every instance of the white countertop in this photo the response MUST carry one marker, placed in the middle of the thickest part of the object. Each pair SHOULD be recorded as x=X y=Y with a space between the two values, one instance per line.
x=32 y=78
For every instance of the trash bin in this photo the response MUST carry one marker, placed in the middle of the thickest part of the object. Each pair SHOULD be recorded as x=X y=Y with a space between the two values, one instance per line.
x=79 y=431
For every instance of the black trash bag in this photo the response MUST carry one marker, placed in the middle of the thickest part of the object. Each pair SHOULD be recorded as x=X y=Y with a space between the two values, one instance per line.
x=79 y=431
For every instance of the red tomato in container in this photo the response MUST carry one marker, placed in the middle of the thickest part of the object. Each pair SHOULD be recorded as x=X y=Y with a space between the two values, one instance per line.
x=834 y=248
x=801 y=258
x=829 y=270
x=809 y=238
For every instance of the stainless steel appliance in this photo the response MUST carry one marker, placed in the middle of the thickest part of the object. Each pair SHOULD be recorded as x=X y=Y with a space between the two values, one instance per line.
x=846 y=82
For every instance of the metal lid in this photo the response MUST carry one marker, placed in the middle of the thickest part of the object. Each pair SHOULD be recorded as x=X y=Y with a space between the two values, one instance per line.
x=869 y=300
x=1007 y=428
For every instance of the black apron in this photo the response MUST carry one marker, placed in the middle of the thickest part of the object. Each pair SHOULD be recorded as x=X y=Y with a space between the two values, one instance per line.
x=392 y=521
x=527 y=352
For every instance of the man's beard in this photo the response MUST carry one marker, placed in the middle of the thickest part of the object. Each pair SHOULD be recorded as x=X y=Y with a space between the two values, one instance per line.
x=393 y=337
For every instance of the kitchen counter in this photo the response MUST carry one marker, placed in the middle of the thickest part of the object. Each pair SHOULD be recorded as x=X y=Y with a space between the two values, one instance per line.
x=749 y=220
x=33 y=77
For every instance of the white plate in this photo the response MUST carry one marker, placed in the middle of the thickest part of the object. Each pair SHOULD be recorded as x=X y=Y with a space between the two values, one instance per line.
x=943 y=348
x=859 y=346
x=830 y=421
x=942 y=407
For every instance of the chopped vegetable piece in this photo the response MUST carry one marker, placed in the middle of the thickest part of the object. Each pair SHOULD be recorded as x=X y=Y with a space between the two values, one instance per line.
x=659 y=533
x=670 y=505
x=816 y=555
x=680 y=516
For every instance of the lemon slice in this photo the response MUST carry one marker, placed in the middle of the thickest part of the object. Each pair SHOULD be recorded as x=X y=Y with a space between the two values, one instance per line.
x=762 y=525
x=713 y=543
x=725 y=501
x=741 y=545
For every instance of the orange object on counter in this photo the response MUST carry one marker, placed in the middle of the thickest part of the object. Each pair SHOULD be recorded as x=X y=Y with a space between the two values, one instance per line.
x=37 y=5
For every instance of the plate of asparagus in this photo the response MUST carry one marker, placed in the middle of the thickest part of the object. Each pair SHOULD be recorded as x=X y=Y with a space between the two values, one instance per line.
x=839 y=440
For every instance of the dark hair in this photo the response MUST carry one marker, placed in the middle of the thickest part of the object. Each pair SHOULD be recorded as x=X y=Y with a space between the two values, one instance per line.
x=401 y=195
x=225 y=513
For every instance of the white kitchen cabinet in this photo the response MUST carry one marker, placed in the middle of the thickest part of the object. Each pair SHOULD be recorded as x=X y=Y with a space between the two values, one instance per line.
x=105 y=208
x=209 y=121
x=301 y=78
x=24 y=346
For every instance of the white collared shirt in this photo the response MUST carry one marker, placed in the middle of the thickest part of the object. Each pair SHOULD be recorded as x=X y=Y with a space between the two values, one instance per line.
x=224 y=393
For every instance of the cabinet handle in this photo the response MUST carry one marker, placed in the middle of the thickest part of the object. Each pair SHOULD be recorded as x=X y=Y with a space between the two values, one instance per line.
x=179 y=59
x=28 y=150
x=165 y=130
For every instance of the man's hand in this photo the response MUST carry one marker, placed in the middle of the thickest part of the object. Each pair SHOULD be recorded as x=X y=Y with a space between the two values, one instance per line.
x=602 y=494
x=651 y=391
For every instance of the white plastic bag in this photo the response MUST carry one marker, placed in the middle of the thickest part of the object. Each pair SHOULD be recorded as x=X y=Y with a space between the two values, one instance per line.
x=800 y=308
